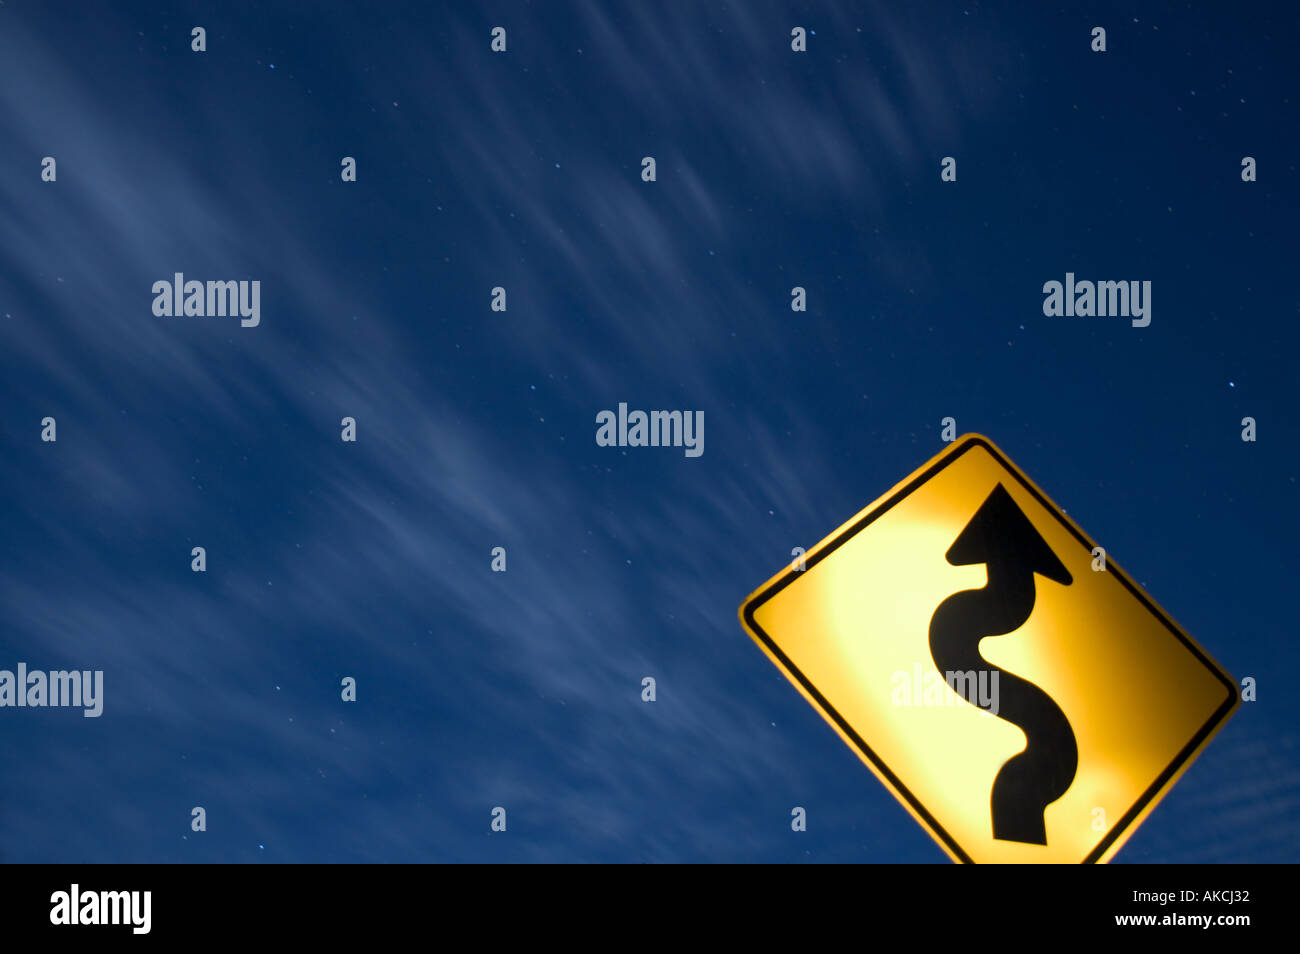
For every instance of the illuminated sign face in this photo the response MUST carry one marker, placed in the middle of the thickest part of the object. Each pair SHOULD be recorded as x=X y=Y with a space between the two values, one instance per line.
x=1015 y=689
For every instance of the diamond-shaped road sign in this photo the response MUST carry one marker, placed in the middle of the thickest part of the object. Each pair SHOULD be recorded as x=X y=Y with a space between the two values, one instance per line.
x=1014 y=688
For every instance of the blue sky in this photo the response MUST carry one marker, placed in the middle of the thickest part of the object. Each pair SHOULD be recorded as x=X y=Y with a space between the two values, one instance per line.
x=476 y=428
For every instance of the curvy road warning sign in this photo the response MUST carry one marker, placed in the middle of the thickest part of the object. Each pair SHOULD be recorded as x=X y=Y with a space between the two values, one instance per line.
x=1017 y=691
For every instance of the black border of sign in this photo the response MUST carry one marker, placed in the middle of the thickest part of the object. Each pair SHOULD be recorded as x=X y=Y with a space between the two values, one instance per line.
x=963 y=445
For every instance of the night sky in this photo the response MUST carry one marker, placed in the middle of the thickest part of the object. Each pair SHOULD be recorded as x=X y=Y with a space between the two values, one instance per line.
x=475 y=428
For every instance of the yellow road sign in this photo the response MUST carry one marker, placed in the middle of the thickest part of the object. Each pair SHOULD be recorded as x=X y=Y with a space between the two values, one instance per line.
x=1021 y=696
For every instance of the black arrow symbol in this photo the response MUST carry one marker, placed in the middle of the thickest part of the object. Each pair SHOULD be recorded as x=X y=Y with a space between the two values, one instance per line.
x=1002 y=537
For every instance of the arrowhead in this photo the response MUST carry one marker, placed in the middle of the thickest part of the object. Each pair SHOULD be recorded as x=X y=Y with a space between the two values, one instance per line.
x=1001 y=533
